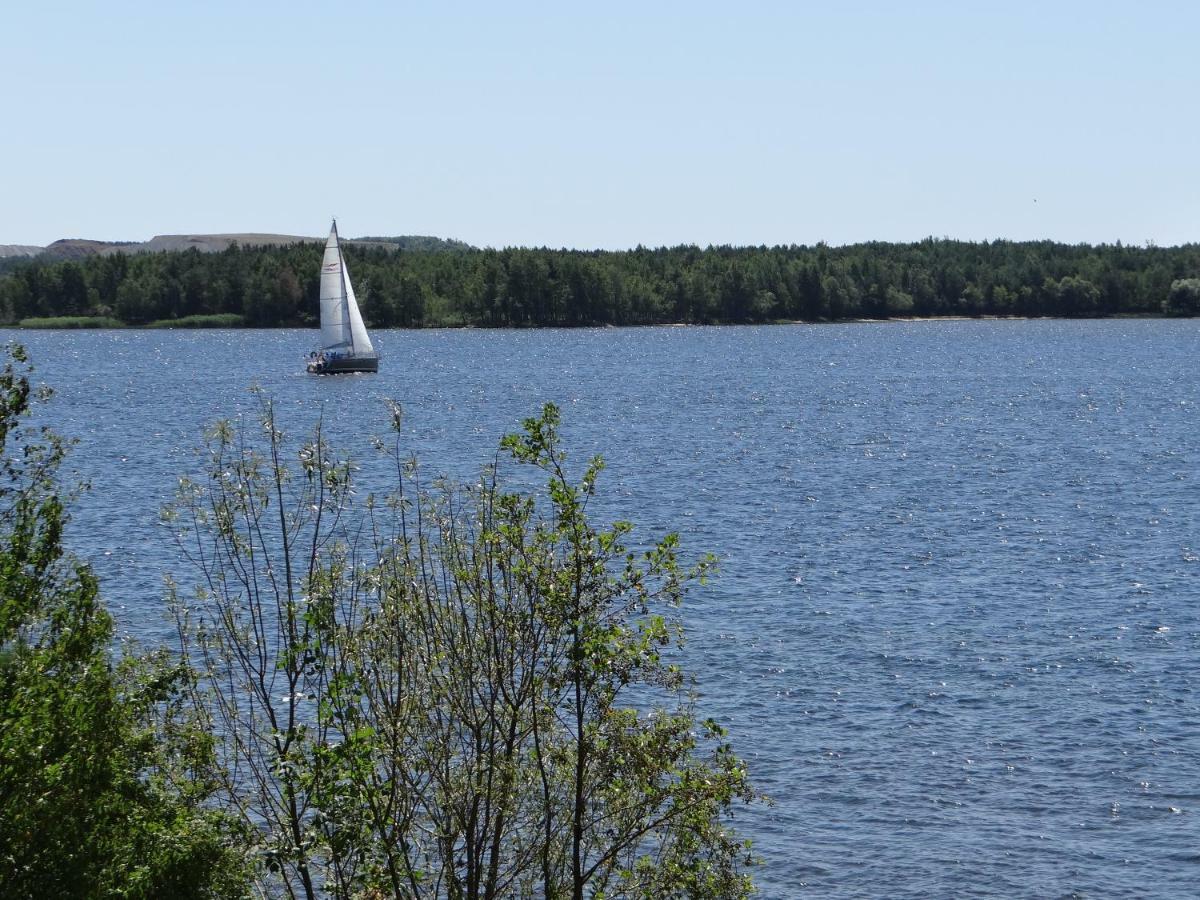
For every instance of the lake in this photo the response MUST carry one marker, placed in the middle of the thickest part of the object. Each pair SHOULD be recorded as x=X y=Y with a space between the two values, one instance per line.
x=956 y=634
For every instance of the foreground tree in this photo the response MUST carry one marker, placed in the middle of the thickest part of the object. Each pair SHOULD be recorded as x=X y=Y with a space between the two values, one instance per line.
x=456 y=692
x=102 y=783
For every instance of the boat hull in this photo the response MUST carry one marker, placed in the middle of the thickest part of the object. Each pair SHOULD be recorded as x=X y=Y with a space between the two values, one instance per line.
x=345 y=365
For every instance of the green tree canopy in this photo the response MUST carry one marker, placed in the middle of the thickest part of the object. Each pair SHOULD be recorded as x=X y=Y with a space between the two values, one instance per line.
x=102 y=782
x=523 y=287
x=1184 y=298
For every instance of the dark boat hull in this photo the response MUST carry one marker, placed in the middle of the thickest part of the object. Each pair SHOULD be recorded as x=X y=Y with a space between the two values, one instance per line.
x=345 y=365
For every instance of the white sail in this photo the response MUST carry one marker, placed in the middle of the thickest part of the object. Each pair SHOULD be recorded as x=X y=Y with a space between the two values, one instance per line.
x=359 y=339
x=335 y=329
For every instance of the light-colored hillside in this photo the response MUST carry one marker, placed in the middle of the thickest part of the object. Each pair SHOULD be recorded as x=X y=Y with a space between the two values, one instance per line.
x=7 y=250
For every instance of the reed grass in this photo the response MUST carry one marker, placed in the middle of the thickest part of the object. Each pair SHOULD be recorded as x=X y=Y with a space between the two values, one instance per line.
x=211 y=320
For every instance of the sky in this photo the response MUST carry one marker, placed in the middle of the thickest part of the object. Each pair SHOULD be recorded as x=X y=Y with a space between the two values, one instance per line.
x=602 y=126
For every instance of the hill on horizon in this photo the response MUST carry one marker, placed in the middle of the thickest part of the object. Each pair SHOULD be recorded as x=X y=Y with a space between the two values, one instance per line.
x=79 y=248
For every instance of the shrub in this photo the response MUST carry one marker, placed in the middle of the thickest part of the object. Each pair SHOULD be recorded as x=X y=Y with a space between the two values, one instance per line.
x=458 y=692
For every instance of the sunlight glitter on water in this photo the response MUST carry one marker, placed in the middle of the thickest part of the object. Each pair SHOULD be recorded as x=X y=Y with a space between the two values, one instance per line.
x=956 y=627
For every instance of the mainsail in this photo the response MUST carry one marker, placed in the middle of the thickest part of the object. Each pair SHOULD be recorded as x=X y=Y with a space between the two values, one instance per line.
x=335 y=325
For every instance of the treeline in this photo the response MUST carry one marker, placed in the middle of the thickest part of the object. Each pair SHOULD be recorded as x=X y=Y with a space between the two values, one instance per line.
x=520 y=287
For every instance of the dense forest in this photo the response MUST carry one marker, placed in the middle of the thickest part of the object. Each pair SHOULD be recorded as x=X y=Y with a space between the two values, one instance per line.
x=520 y=287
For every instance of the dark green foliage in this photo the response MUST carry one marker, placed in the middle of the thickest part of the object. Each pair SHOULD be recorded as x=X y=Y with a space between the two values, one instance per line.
x=520 y=287
x=1184 y=298
x=102 y=779
x=8 y=263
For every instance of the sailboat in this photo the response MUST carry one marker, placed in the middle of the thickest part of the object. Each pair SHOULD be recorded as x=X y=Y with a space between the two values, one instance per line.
x=345 y=344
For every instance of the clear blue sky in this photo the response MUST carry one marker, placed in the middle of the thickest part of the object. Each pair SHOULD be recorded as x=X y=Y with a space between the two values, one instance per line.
x=602 y=125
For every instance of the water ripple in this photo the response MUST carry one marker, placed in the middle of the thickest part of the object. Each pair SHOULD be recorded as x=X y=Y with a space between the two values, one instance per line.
x=957 y=627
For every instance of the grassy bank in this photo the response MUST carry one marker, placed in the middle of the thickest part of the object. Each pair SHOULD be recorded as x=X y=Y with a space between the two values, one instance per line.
x=215 y=320
x=218 y=320
x=71 y=322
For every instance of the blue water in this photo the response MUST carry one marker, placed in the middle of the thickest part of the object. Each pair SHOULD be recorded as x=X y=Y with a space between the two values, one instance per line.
x=957 y=629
